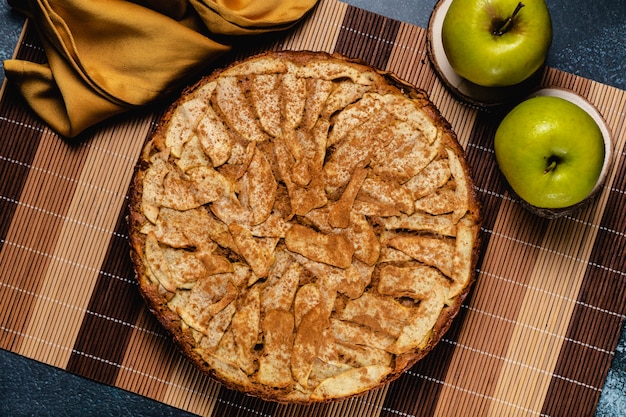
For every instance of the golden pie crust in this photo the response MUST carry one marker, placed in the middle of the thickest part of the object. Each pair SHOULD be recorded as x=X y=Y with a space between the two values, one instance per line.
x=304 y=226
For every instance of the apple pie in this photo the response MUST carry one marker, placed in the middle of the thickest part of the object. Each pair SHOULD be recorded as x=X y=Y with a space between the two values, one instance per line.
x=304 y=226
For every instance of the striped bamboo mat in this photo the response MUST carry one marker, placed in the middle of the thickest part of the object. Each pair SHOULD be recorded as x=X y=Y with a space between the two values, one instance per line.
x=536 y=336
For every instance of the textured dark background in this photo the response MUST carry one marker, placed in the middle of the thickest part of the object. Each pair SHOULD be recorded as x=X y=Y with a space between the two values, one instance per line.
x=589 y=40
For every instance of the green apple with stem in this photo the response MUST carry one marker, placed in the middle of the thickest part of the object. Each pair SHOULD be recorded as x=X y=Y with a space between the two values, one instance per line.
x=496 y=43
x=550 y=151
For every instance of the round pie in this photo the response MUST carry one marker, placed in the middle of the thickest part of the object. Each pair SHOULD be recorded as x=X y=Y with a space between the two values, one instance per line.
x=304 y=226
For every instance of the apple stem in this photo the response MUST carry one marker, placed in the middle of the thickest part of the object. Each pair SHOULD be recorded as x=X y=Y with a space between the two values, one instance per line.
x=551 y=166
x=509 y=21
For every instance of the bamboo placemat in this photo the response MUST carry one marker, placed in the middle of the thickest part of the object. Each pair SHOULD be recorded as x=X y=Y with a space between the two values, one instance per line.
x=536 y=336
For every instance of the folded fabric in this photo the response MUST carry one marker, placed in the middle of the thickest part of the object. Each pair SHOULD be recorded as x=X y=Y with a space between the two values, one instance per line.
x=105 y=57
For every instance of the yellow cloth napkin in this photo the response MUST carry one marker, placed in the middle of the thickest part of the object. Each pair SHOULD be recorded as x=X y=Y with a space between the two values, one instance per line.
x=108 y=56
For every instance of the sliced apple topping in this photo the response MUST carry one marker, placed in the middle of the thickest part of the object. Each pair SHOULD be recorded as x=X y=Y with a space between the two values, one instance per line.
x=333 y=250
x=308 y=341
x=364 y=239
x=352 y=152
x=422 y=320
x=387 y=193
x=293 y=93
x=441 y=201
x=246 y=329
x=433 y=176
x=344 y=93
x=281 y=289
x=351 y=382
x=413 y=281
x=354 y=116
x=266 y=103
x=403 y=157
x=433 y=251
x=233 y=104
x=258 y=188
x=274 y=370
x=422 y=222
x=214 y=137
x=192 y=155
x=311 y=225
x=318 y=91
x=339 y=215
x=185 y=119
x=258 y=256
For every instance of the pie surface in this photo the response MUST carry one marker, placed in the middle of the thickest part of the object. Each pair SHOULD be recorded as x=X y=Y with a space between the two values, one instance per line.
x=304 y=226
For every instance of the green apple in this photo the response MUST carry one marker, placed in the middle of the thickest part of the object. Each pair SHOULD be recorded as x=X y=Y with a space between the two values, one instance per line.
x=496 y=43
x=550 y=151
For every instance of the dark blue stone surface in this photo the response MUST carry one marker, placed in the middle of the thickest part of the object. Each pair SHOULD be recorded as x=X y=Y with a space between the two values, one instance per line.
x=589 y=40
